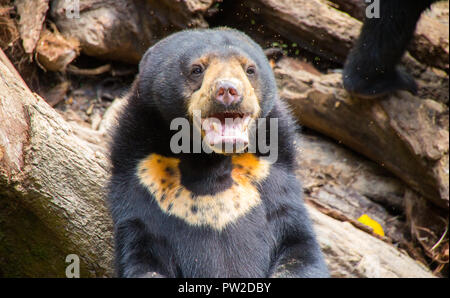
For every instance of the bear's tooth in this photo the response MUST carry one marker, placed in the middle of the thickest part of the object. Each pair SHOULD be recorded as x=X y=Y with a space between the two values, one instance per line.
x=247 y=120
x=215 y=127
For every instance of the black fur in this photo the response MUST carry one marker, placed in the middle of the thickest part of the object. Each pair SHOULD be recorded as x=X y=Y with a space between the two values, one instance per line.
x=147 y=239
x=371 y=67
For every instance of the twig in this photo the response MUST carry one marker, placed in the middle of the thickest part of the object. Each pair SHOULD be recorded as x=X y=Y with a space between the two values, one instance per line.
x=89 y=72
x=440 y=240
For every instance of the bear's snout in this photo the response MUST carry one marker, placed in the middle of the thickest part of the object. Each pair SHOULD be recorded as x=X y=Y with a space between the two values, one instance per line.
x=228 y=92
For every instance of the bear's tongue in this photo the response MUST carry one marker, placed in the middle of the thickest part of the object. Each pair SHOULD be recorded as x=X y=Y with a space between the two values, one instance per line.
x=226 y=129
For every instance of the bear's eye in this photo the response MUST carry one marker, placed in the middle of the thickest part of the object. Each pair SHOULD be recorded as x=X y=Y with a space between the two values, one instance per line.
x=251 y=70
x=196 y=70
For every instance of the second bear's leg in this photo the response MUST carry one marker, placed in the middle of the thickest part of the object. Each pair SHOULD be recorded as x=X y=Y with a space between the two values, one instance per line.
x=371 y=66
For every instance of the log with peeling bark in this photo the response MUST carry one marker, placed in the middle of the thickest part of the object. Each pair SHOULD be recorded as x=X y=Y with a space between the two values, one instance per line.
x=51 y=190
x=431 y=42
x=32 y=15
x=52 y=201
x=123 y=30
x=407 y=135
x=313 y=25
x=355 y=8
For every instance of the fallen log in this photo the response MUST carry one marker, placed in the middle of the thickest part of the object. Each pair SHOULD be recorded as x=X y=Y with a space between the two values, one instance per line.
x=407 y=135
x=353 y=253
x=313 y=25
x=430 y=44
x=51 y=190
x=337 y=180
x=355 y=8
x=32 y=15
x=123 y=30
x=346 y=186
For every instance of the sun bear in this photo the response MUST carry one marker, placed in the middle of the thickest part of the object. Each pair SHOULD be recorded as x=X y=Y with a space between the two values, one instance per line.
x=214 y=213
x=371 y=67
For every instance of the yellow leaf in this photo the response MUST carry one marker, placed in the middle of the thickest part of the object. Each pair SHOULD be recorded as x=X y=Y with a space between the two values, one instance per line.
x=366 y=220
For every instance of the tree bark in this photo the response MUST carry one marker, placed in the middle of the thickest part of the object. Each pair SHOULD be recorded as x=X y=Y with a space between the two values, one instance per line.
x=431 y=43
x=32 y=15
x=51 y=190
x=123 y=30
x=313 y=25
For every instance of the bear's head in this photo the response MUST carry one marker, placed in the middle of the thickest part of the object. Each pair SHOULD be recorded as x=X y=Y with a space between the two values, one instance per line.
x=219 y=79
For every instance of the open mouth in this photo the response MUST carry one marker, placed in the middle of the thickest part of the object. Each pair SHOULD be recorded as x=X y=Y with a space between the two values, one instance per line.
x=228 y=128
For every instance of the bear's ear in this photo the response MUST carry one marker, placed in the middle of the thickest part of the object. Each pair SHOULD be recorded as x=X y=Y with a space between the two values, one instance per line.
x=146 y=70
x=273 y=55
x=145 y=59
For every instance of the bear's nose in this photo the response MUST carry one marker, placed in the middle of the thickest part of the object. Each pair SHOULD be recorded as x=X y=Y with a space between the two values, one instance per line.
x=227 y=93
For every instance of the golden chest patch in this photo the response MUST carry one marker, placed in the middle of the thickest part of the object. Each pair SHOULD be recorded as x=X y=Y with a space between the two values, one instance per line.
x=161 y=176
